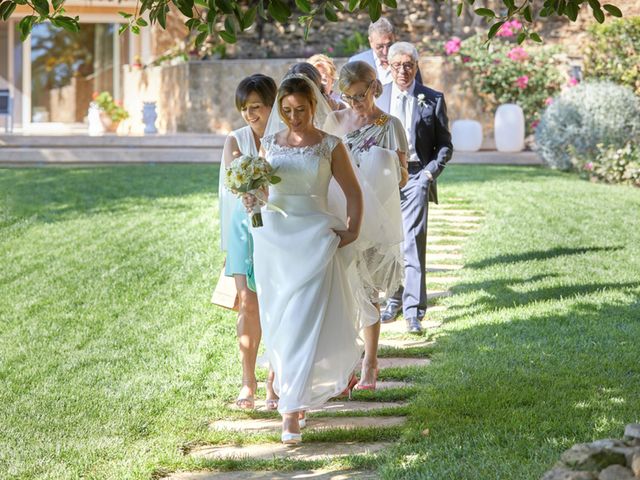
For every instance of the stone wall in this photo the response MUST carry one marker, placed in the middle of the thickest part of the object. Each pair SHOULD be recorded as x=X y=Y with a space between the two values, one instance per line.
x=601 y=460
x=199 y=96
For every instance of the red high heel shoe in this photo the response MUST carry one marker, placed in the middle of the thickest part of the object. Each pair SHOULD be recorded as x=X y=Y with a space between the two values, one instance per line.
x=371 y=387
x=353 y=381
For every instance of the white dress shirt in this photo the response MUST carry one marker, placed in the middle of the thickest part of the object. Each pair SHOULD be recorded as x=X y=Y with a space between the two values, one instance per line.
x=408 y=118
x=384 y=74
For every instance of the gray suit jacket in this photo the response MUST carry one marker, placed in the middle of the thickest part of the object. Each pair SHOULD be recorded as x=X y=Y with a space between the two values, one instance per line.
x=433 y=139
x=367 y=56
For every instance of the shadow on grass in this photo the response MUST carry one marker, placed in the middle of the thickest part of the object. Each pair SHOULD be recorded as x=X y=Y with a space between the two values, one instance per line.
x=540 y=255
x=51 y=194
x=499 y=294
x=514 y=394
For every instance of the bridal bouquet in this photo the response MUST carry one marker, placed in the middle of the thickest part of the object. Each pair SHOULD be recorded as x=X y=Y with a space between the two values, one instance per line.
x=249 y=174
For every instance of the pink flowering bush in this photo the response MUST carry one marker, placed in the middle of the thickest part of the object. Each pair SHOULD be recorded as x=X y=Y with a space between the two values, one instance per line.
x=505 y=72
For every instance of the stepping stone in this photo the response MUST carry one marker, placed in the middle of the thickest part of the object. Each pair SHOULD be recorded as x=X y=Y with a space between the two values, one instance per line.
x=454 y=211
x=271 y=475
x=438 y=294
x=343 y=405
x=392 y=384
x=305 y=451
x=455 y=218
x=438 y=267
x=313 y=423
x=433 y=279
x=443 y=248
x=445 y=239
x=404 y=344
x=436 y=257
x=401 y=362
x=399 y=326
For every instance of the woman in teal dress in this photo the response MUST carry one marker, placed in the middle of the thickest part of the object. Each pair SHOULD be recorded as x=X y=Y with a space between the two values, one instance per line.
x=255 y=96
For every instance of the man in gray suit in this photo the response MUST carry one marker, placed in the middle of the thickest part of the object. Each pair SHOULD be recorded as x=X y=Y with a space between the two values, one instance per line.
x=423 y=114
x=381 y=37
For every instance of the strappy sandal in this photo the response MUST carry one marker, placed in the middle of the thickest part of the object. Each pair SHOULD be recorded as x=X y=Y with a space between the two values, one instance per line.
x=270 y=403
x=248 y=402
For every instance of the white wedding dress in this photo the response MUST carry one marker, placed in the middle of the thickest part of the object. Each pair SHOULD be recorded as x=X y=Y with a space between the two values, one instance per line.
x=310 y=302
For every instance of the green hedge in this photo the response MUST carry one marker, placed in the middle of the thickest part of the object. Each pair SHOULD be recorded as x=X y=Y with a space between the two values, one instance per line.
x=613 y=52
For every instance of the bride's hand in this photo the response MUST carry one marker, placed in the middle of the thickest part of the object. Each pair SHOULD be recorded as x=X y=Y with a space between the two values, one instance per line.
x=346 y=237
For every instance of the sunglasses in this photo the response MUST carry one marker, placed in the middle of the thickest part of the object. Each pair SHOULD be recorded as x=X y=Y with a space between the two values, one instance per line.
x=356 y=98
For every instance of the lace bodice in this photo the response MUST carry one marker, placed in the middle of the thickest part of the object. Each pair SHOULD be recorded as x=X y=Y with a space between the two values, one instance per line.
x=303 y=170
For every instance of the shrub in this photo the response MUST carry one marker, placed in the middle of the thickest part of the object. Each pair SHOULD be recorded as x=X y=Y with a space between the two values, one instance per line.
x=583 y=117
x=613 y=52
x=504 y=72
x=109 y=106
x=613 y=165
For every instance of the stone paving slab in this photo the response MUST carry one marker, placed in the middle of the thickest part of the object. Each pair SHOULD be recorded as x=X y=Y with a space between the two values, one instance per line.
x=401 y=362
x=453 y=210
x=271 y=475
x=304 y=451
x=445 y=239
x=341 y=406
x=443 y=247
x=404 y=344
x=392 y=384
x=256 y=425
x=445 y=217
x=438 y=294
x=436 y=257
x=399 y=326
x=439 y=267
x=444 y=279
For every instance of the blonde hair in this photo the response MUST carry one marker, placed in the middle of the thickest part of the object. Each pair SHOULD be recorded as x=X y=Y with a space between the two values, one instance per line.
x=326 y=62
x=359 y=71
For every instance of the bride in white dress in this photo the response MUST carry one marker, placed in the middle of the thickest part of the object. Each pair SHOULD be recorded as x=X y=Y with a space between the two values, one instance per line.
x=303 y=265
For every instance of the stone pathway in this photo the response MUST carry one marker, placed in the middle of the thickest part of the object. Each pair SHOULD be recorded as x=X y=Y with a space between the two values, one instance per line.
x=451 y=226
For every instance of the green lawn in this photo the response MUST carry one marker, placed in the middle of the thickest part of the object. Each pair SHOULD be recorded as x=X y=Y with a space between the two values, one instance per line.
x=112 y=359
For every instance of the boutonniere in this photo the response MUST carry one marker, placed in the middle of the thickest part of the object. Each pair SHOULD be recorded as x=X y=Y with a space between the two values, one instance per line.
x=421 y=100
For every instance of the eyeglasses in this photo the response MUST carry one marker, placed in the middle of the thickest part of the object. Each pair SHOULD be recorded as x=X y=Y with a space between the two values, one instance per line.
x=407 y=66
x=356 y=98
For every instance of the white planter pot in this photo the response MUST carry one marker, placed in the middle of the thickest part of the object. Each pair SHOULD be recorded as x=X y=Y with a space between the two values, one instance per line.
x=96 y=127
x=466 y=135
x=509 y=128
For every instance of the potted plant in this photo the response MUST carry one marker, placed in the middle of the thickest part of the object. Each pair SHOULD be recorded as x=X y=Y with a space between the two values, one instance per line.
x=111 y=111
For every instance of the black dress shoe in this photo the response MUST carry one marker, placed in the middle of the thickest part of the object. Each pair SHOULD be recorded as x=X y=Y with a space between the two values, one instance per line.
x=413 y=325
x=390 y=312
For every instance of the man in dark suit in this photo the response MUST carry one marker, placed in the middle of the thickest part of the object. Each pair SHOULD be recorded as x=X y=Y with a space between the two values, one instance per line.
x=423 y=113
x=381 y=37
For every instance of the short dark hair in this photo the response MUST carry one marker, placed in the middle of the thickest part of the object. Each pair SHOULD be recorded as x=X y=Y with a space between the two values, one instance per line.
x=309 y=71
x=295 y=86
x=263 y=85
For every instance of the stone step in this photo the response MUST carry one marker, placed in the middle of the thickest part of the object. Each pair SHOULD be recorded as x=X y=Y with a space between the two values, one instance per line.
x=440 y=257
x=454 y=210
x=438 y=294
x=304 y=451
x=271 y=475
x=445 y=239
x=439 y=267
x=443 y=247
x=446 y=217
x=342 y=406
x=433 y=279
x=402 y=362
x=405 y=344
x=463 y=227
x=314 y=424
x=392 y=384
x=399 y=326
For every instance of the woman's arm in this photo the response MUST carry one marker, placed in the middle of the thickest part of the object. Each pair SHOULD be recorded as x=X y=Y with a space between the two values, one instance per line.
x=404 y=171
x=346 y=178
x=230 y=151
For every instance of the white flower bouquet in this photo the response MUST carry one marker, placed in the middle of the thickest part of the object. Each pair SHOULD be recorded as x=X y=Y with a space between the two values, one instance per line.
x=249 y=174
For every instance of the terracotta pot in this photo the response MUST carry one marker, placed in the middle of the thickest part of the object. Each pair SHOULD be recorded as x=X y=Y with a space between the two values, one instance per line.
x=109 y=125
